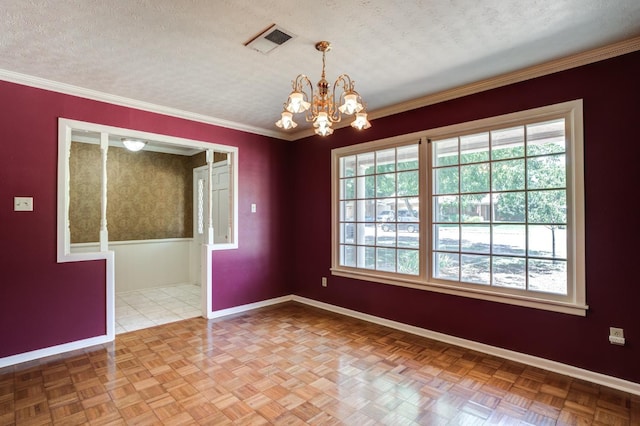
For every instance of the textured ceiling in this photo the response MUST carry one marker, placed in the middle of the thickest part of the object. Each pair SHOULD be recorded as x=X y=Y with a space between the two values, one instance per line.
x=189 y=55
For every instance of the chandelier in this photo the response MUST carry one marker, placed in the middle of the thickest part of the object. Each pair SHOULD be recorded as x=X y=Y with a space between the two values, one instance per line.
x=320 y=107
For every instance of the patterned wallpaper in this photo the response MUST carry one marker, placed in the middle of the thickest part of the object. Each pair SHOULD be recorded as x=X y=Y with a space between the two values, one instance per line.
x=149 y=194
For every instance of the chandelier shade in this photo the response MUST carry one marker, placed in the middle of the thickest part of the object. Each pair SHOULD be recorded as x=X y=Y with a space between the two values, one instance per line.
x=319 y=106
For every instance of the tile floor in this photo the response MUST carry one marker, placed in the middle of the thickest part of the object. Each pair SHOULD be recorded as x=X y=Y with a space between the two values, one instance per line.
x=145 y=308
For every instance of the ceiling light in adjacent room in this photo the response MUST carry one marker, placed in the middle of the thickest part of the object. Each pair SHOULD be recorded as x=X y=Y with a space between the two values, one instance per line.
x=133 y=144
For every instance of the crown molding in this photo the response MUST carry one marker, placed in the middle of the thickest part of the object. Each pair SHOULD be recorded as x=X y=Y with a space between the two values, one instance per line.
x=546 y=68
x=68 y=89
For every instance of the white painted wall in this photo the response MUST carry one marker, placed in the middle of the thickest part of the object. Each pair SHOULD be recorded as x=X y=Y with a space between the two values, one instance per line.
x=147 y=263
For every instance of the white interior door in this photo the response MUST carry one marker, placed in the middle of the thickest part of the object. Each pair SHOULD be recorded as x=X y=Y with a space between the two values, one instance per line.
x=220 y=214
x=220 y=197
x=200 y=201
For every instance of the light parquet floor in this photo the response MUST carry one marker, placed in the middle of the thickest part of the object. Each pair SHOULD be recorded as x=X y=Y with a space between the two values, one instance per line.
x=295 y=365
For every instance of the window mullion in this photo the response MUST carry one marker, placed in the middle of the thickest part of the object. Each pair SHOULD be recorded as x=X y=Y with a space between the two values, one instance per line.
x=426 y=207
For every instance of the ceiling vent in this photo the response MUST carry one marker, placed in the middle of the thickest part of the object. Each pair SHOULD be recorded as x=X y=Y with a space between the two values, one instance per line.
x=269 y=39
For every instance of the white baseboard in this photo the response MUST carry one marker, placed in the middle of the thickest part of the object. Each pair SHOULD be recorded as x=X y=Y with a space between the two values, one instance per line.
x=249 y=307
x=54 y=350
x=556 y=367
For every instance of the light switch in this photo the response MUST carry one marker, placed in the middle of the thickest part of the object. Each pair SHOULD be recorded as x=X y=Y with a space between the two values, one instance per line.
x=23 y=204
x=253 y=208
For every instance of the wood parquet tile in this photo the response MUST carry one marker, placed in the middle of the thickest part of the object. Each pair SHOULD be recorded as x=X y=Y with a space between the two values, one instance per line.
x=295 y=365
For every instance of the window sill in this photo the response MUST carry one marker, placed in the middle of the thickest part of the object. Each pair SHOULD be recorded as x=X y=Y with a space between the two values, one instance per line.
x=511 y=299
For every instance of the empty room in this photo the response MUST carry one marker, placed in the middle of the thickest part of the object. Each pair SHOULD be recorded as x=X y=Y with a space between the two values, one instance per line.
x=334 y=213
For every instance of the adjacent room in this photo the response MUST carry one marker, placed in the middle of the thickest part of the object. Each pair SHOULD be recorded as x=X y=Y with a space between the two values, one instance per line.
x=364 y=212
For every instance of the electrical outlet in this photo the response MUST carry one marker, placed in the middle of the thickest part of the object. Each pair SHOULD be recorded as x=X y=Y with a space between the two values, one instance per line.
x=23 y=204
x=616 y=336
x=616 y=332
x=324 y=281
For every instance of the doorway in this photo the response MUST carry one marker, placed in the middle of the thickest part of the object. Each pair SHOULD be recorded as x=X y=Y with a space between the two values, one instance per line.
x=101 y=244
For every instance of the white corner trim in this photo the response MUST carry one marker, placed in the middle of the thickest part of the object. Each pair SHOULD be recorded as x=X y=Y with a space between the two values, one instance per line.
x=81 y=92
x=562 y=64
x=556 y=367
x=248 y=307
x=529 y=73
x=54 y=350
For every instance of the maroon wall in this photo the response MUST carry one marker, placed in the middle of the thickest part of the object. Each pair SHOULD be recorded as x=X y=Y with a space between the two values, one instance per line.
x=43 y=303
x=610 y=90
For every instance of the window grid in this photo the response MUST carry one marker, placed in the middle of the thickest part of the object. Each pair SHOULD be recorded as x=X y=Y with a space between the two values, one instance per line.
x=543 y=211
x=375 y=188
x=448 y=262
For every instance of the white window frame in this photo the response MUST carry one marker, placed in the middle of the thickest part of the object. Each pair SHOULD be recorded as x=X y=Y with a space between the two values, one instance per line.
x=572 y=303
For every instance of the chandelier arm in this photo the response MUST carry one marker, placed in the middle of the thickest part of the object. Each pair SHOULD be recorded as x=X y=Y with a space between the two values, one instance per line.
x=302 y=84
x=342 y=82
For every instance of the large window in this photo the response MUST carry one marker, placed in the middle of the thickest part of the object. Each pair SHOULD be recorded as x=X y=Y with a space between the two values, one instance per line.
x=490 y=209
x=379 y=208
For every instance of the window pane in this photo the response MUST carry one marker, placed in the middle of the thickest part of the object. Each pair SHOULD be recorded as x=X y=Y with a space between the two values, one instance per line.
x=475 y=269
x=348 y=255
x=548 y=171
x=509 y=239
x=347 y=211
x=548 y=276
x=445 y=208
x=445 y=152
x=367 y=258
x=446 y=237
x=365 y=164
x=548 y=241
x=445 y=181
x=386 y=161
x=475 y=238
x=348 y=166
x=366 y=186
x=509 y=207
x=385 y=210
x=509 y=272
x=547 y=207
x=407 y=157
x=507 y=143
x=475 y=208
x=408 y=262
x=366 y=210
x=366 y=234
x=386 y=235
x=408 y=209
x=474 y=148
x=507 y=175
x=386 y=185
x=474 y=178
x=408 y=183
x=348 y=189
x=446 y=266
x=386 y=259
x=408 y=238
x=347 y=233
x=546 y=138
